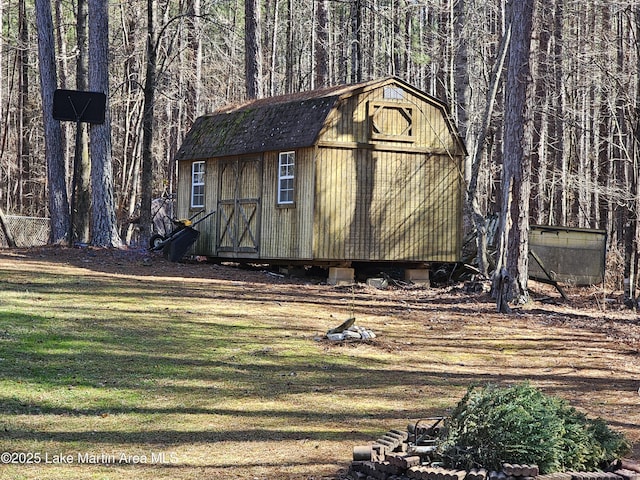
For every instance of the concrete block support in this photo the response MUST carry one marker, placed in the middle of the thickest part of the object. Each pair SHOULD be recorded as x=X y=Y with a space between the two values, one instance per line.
x=341 y=276
x=419 y=276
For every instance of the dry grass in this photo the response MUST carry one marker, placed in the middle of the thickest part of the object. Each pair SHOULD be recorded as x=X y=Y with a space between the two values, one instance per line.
x=152 y=370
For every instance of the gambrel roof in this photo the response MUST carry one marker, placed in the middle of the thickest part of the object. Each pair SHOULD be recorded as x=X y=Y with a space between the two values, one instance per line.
x=268 y=124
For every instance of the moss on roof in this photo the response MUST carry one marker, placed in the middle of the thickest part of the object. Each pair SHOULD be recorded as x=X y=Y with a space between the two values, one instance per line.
x=266 y=124
x=257 y=127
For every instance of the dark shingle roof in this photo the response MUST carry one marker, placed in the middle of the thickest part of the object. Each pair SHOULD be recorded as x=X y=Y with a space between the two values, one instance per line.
x=256 y=129
x=266 y=124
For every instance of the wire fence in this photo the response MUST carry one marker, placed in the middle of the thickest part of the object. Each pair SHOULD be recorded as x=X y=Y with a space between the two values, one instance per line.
x=26 y=231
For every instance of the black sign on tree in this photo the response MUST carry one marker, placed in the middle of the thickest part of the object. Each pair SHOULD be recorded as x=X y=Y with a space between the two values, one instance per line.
x=77 y=106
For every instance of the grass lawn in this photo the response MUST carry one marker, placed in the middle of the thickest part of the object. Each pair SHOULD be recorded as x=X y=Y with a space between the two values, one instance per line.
x=115 y=368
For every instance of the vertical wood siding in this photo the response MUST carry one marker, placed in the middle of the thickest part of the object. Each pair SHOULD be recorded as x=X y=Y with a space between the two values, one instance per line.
x=205 y=245
x=284 y=232
x=388 y=182
x=184 y=189
x=351 y=122
x=287 y=231
x=387 y=206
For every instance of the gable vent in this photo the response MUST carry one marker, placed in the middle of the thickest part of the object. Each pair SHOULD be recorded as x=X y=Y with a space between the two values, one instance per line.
x=393 y=92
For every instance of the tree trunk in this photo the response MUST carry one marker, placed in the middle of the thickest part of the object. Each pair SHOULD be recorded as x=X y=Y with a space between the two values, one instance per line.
x=510 y=279
x=289 y=57
x=396 y=39
x=3 y=81
x=56 y=175
x=104 y=228
x=146 y=182
x=62 y=64
x=195 y=45
x=82 y=173
x=24 y=161
x=356 y=41
x=322 y=44
x=61 y=43
x=462 y=88
x=273 y=60
x=253 y=51
x=8 y=234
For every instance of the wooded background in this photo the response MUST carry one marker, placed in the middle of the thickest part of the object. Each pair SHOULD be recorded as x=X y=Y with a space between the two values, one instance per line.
x=585 y=101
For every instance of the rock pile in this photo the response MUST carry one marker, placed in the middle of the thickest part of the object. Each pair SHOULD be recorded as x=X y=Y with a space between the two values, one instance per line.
x=354 y=332
x=348 y=331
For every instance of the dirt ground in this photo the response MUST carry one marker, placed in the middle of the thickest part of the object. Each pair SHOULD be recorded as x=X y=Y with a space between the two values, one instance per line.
x=593 y=308
x=602 y=376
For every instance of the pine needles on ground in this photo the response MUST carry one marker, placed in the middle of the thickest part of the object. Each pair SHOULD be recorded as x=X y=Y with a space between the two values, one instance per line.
x=520 y=424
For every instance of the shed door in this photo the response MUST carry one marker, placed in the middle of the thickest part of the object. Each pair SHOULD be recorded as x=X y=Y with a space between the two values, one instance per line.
x=239 y=205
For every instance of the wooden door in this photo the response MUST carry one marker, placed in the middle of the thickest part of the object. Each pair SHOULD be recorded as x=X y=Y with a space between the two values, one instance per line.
x=239 y=199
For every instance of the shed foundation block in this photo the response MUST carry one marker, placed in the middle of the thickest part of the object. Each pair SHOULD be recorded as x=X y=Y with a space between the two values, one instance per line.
x=340 y=276
x=419 y=276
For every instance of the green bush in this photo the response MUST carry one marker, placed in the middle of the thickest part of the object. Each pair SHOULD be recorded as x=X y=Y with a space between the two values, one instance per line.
x=520 y=424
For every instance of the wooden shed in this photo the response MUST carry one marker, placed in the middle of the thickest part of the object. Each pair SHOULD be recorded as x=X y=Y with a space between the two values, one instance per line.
x=370 y=172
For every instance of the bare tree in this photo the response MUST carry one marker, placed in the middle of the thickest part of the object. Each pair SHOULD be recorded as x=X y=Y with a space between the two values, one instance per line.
x=82 y=173
x=321 y=47
x=104 y=230
x=195 y=48
x=289 y=55
x=356 y=41
x=24 y=161
x=478 y=163
x=253 y=50
x=56 y=175
x=510 y=279
x=271 y=42
x=147 y=125
x=129 y=116
x=4 y=228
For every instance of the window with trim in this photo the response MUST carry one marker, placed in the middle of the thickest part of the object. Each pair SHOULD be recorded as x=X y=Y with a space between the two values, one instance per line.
x=286 y=177
x=197 y=185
